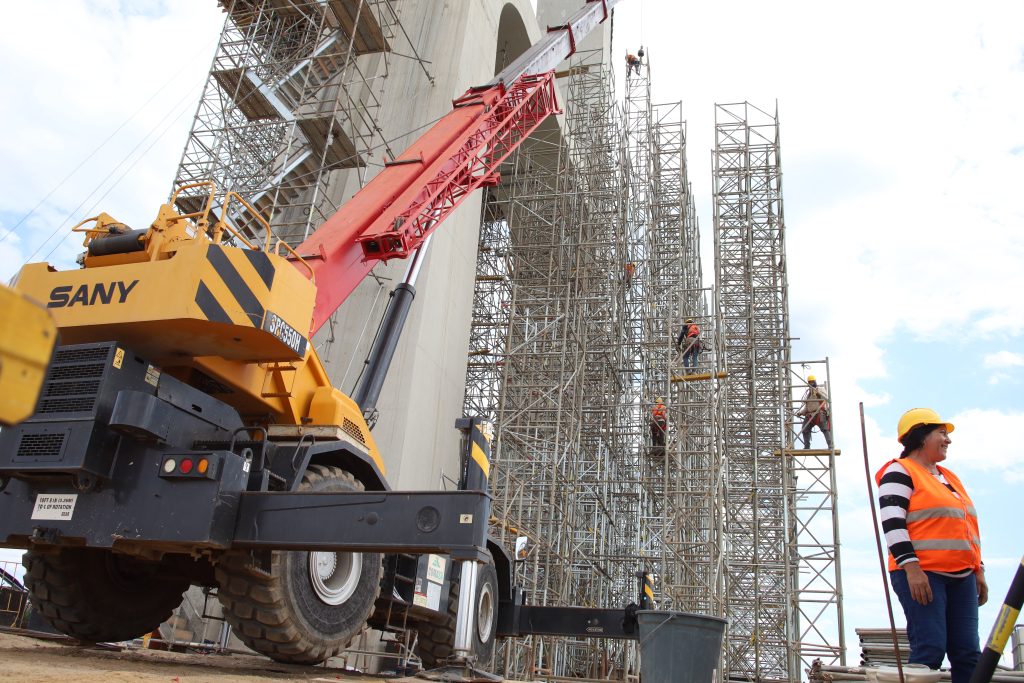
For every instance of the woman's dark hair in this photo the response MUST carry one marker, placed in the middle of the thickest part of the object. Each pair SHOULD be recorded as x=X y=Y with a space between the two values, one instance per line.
x=915 y=438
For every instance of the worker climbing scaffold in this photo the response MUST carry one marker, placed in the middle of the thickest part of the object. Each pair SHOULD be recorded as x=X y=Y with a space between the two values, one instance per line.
x=815 y=413
x=659 y=427
x=688 y=343
x=633 y=62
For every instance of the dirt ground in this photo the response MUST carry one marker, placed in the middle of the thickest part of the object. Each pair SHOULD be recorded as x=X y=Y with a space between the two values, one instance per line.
x=29 y=660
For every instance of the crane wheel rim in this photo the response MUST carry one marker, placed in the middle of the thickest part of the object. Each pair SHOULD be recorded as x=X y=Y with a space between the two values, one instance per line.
x=485 y=613
x=335 y=576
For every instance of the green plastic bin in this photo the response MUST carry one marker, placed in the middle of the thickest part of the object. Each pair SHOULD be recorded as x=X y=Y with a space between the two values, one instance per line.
x=679 y=647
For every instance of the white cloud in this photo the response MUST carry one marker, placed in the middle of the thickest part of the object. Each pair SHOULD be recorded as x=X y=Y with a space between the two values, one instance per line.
x=1004 y=359
x=983 y=440
x=876 y=400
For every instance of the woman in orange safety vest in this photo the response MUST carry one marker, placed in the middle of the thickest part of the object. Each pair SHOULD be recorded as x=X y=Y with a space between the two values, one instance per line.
x=931 y=528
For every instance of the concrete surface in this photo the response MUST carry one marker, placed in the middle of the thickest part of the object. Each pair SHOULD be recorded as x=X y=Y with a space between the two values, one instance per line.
x=28 y=660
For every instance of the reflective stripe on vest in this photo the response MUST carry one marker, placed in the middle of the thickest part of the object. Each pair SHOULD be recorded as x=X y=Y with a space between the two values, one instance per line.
x=932 y=513
x=942 y=544
x=942 y=527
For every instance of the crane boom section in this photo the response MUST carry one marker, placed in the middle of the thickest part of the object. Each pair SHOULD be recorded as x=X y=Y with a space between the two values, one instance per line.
x=404 y=203
x=558 y=44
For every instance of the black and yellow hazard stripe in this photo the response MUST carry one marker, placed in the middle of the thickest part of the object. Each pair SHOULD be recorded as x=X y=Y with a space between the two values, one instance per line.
x=1001 y=630
x=475 y=459
x=480 y=449
x=646 y=591
x=260 y=262
x=238 y=280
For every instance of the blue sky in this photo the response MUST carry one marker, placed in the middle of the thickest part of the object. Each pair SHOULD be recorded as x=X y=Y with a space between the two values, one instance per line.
x=903 y=162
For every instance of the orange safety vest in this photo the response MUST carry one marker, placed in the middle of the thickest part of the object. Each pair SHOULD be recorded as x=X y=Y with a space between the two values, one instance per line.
x=659 y=412
x=942 y=527
x=693 y=331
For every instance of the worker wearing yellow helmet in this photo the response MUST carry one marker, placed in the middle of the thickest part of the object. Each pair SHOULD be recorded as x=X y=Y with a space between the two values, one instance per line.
x=931 y=528
x=815 y=412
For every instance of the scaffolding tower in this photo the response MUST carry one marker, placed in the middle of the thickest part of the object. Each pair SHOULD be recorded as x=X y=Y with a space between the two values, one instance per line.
x=690 y=512
x=752 y=307
x=813 y=516
x=293 y=94
x=679 y=538
x=556 y=218
x=782 y=589
x=588 y=262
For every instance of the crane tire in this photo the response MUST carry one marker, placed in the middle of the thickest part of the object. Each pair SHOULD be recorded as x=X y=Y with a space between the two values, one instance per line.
x=96 y=595
x=437 y=638
x=304 y=607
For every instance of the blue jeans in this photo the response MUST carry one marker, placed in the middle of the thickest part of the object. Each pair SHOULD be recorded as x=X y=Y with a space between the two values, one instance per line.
x=690 y=353
x=948 y=625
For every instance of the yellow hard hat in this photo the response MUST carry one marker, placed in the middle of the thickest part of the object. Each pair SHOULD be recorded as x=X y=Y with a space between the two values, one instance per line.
x=920 y=416
x=811 y=378
x=689 y=320
x=659 y=400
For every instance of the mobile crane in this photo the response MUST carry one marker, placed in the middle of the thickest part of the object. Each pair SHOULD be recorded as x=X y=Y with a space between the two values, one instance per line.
x=187 y=432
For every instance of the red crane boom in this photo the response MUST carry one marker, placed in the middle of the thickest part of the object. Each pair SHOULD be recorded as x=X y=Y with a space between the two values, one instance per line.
x=399 y=208
x=404 y=203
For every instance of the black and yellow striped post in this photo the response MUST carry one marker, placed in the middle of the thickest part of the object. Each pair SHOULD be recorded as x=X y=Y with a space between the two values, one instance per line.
x=1002 y=629
x=646 y=590
x=476 y=453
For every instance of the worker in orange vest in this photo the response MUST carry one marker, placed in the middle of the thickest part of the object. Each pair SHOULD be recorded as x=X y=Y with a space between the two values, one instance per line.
x=659 y=425
x=630 y=272
x=632 y=62
x=931 y=528
x=688 y=342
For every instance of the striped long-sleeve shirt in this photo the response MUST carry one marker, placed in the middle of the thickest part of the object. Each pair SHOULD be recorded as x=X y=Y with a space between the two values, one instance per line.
x=894 y=491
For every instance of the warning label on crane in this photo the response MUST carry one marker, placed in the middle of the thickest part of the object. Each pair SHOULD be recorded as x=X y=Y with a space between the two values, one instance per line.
x=428 y=584
x=435 y=568
x=54 y=506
